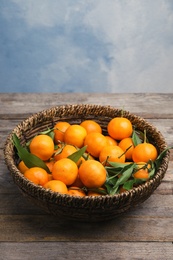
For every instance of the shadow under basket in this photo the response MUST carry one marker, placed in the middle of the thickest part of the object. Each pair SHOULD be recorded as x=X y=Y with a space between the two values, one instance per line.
x=99 y=208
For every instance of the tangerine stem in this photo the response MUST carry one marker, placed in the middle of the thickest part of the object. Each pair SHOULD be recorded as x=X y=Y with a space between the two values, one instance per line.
x=145 y=136
x=122 y=112
x=124 y=152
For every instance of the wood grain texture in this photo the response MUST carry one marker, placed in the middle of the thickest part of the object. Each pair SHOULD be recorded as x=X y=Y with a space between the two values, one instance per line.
x=23 y=228
x=86 y=250
x=148 y=105
x=145 y=232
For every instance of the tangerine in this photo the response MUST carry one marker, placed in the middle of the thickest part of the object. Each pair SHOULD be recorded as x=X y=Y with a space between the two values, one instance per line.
x=42 y=146
x=80 y=161
x=112 y=153
x=64 y=151
x=50 y=177
x=143 y=165
x=97 y=192
x=91 y=126
x=37 y=175
x=22 y=167
x=110 y=140
x=144 y=152
x=83 y=158
x=92 y=174
x=120 y=128
x=75 y=191
x=95 y=143
x=59 y=130
x=77 y=183
x=50 y=164
x=75 y=135
x=141 y=174
x=65 y=170
x=127 y=146
x=57 y=186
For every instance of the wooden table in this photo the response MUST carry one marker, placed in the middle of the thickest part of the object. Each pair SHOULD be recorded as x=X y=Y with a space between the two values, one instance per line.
x=145 y=232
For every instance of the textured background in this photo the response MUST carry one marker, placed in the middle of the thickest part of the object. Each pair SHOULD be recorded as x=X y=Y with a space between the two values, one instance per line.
x=86 y=46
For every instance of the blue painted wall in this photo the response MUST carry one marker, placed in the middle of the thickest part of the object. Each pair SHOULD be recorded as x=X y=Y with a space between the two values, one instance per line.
x=86 y=46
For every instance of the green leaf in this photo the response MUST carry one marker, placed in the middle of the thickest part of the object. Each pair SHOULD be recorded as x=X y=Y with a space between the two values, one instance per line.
x=113 y=171
x=138 y=181
x=159 y=159
x=46 y=132
x=98 y=190
x=126 y=174
x=29 y=159
x=108 y=187
x=112 y=180
x=117 y=168
x=128 y=185
x=152 y=172
x=78 y=154
x=114 y=190
x=135 y=138
x=51 y=134
x=116 y=165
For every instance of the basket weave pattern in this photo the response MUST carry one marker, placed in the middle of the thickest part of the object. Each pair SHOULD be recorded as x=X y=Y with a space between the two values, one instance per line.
x=82 y=208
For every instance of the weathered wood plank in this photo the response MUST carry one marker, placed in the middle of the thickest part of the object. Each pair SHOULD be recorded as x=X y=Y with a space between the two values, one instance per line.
x=165 y=126
x=85 y=251
x=23 y=228
x=147 y=104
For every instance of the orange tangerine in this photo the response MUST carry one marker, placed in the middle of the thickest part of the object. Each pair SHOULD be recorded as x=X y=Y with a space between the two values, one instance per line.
x=127 y=146
x=59 y=130
x=112 y=153
x=110 y=140
x=143 y=165
x=85 y=157
x=75 y=135
x=91 y=126
x=75 y=191
x=50 y=164
x=37 y=175
x=95 y=193
x=50 y=177
x=42 y=146
x=65 y=170
x=95 y=143
x=92 y=174
x=64 y=151
x=144 y=152
x=57 y=186
x=77 y=183
x=22 y=167
x=141 y=174
x=120 y=128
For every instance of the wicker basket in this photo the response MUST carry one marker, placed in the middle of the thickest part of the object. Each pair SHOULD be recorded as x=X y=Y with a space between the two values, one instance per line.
x=82 y=208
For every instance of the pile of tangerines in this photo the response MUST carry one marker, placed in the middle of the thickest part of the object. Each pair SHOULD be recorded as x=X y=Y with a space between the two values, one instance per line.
x=78 y=159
